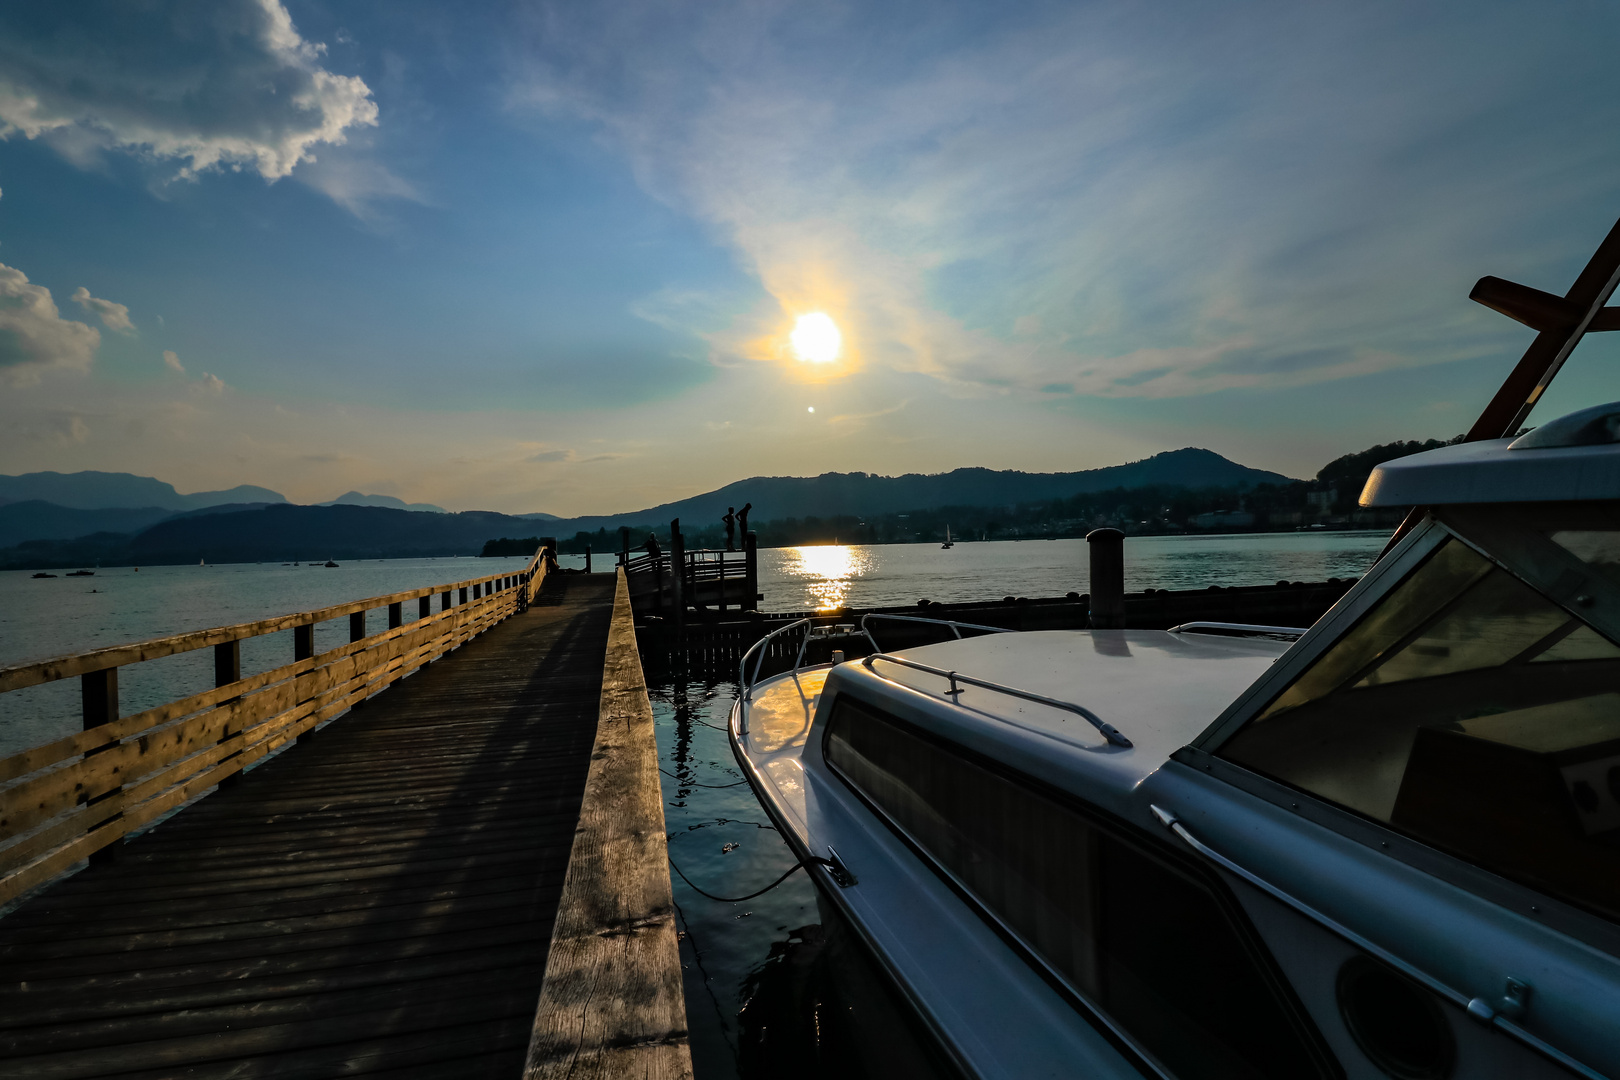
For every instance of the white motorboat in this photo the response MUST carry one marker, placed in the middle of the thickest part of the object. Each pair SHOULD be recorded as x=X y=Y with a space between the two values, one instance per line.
x=1385 y=846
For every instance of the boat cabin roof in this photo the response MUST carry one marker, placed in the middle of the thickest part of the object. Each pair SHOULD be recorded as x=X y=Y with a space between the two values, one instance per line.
x=1159 y=689
x=1575 y=458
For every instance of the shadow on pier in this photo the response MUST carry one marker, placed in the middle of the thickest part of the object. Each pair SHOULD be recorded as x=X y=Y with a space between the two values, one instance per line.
x=378 y=900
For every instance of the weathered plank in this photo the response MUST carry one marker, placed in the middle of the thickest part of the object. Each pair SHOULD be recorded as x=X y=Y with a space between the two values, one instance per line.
x=612 y=1004
x=379 y=900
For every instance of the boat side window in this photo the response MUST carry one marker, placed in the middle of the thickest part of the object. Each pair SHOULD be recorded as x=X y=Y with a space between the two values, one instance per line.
x=1470 y=711
x=1140 y=938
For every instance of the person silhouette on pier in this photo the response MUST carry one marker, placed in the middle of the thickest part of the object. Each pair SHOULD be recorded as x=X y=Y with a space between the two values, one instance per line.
x=742 y=519
x=731 y=528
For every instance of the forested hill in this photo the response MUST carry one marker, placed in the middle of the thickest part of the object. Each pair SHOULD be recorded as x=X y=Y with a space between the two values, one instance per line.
x=832 y=494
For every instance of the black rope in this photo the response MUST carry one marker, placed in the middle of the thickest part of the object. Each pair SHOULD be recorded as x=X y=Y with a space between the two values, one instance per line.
x=692 y=783
x=750 y=896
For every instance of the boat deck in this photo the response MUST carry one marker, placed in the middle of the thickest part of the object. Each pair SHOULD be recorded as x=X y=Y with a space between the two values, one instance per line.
x=377 y=901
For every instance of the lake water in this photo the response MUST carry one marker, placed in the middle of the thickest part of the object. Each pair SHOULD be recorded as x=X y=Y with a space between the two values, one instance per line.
x=763 y=978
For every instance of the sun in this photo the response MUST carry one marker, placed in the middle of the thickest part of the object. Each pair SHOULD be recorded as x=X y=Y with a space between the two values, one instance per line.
x=815 y=338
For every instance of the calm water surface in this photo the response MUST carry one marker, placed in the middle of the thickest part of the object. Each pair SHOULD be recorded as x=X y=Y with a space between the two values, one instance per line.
x=761 y=976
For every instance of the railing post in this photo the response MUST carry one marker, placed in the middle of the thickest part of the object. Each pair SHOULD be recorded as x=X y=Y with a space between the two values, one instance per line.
x=677 y=567
x=751 y=571
x=396 y=615
x=303 y=649
x=99 y=700
x=228 y=669
x=303 y=642
x=463 y=598
x=357 y=625
x=444 y=600
x=1107 y=579
x=722 y=555
x=227 y=663
x=424 y=606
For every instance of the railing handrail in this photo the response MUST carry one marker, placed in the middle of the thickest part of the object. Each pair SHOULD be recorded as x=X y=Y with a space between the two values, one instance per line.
x=956 y=627
x=745 y=684
x=1109 y=732
x=1235 y=629
x=36 y=672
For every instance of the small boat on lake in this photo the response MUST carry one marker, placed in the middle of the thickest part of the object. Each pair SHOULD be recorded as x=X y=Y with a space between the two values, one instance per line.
x=82 y=573
x=1388 y=845
x=330 y=563
x=44 y=575
x=949 y=543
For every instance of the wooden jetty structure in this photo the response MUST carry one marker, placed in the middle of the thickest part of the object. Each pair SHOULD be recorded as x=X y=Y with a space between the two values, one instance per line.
x=667 y=584
x=713 y=640
x=330 y=869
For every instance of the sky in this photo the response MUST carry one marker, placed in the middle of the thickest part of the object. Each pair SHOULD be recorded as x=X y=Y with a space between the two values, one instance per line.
x=532 y=256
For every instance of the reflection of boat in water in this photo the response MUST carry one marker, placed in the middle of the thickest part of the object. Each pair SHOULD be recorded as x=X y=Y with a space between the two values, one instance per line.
x=949 y=543
x=1388 y=845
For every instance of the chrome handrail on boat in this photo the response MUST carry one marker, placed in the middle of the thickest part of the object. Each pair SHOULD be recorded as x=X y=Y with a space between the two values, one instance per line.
x=1292 y=633
x=744 y=683
x=1109 y=731
x=1497 y=1015
x=956 y=627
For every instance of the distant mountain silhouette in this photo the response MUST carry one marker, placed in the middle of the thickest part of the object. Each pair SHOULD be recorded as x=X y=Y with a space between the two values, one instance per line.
x=105 y=490
x=272 y=530
x=830 y=494
x=34 y=519
x=354 y=498
x=285 y=532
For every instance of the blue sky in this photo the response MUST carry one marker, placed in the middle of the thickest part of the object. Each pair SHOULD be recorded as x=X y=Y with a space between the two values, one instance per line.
x=532 y=256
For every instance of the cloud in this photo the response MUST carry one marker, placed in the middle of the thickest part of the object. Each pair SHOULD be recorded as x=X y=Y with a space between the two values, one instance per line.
x=34 y=338
x=220 y=85
x=172 y=361
x=547 y=456
x=211 y=384
x=1131 y=201
x=113 y=316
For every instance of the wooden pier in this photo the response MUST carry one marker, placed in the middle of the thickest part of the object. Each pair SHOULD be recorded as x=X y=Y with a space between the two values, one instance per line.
x=417 y=891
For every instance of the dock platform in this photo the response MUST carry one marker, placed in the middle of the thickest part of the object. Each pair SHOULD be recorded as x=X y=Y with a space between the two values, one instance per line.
x=378 y=900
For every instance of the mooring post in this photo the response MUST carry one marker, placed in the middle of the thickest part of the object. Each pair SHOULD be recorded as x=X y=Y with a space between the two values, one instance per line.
x=587 y=558
x=677 y=560
x=1107 y=579
x=624 y=545
x=751 y=571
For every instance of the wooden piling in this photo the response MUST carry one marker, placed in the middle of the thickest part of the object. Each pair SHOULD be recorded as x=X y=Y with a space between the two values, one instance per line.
x=611 y=1004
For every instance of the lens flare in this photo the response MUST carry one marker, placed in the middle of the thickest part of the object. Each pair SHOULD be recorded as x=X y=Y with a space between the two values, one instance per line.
x=815 y=338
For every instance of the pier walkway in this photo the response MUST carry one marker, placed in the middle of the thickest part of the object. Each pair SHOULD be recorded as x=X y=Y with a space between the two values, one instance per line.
x=378 y=900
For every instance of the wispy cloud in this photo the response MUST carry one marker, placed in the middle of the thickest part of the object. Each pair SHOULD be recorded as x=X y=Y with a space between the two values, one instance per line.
x=1126 y=200
x=171 y=360
x=113 y=316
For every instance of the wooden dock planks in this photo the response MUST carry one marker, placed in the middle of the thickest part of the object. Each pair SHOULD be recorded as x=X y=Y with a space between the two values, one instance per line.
x=378 y=901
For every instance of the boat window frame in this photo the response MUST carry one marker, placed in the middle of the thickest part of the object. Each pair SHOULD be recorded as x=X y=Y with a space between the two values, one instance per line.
x=1529 y=556
x=1145 y=843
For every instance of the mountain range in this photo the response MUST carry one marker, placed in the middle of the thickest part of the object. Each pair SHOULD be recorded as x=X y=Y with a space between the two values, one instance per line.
x=144 y=520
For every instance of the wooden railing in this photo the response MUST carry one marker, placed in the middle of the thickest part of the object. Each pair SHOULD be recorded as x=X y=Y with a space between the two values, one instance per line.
x=68 y=799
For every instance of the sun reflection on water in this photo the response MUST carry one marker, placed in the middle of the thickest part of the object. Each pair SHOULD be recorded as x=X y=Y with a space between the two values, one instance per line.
x=826 y=571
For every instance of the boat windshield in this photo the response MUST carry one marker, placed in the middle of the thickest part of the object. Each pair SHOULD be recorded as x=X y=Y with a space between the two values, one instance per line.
x=1470 y=711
